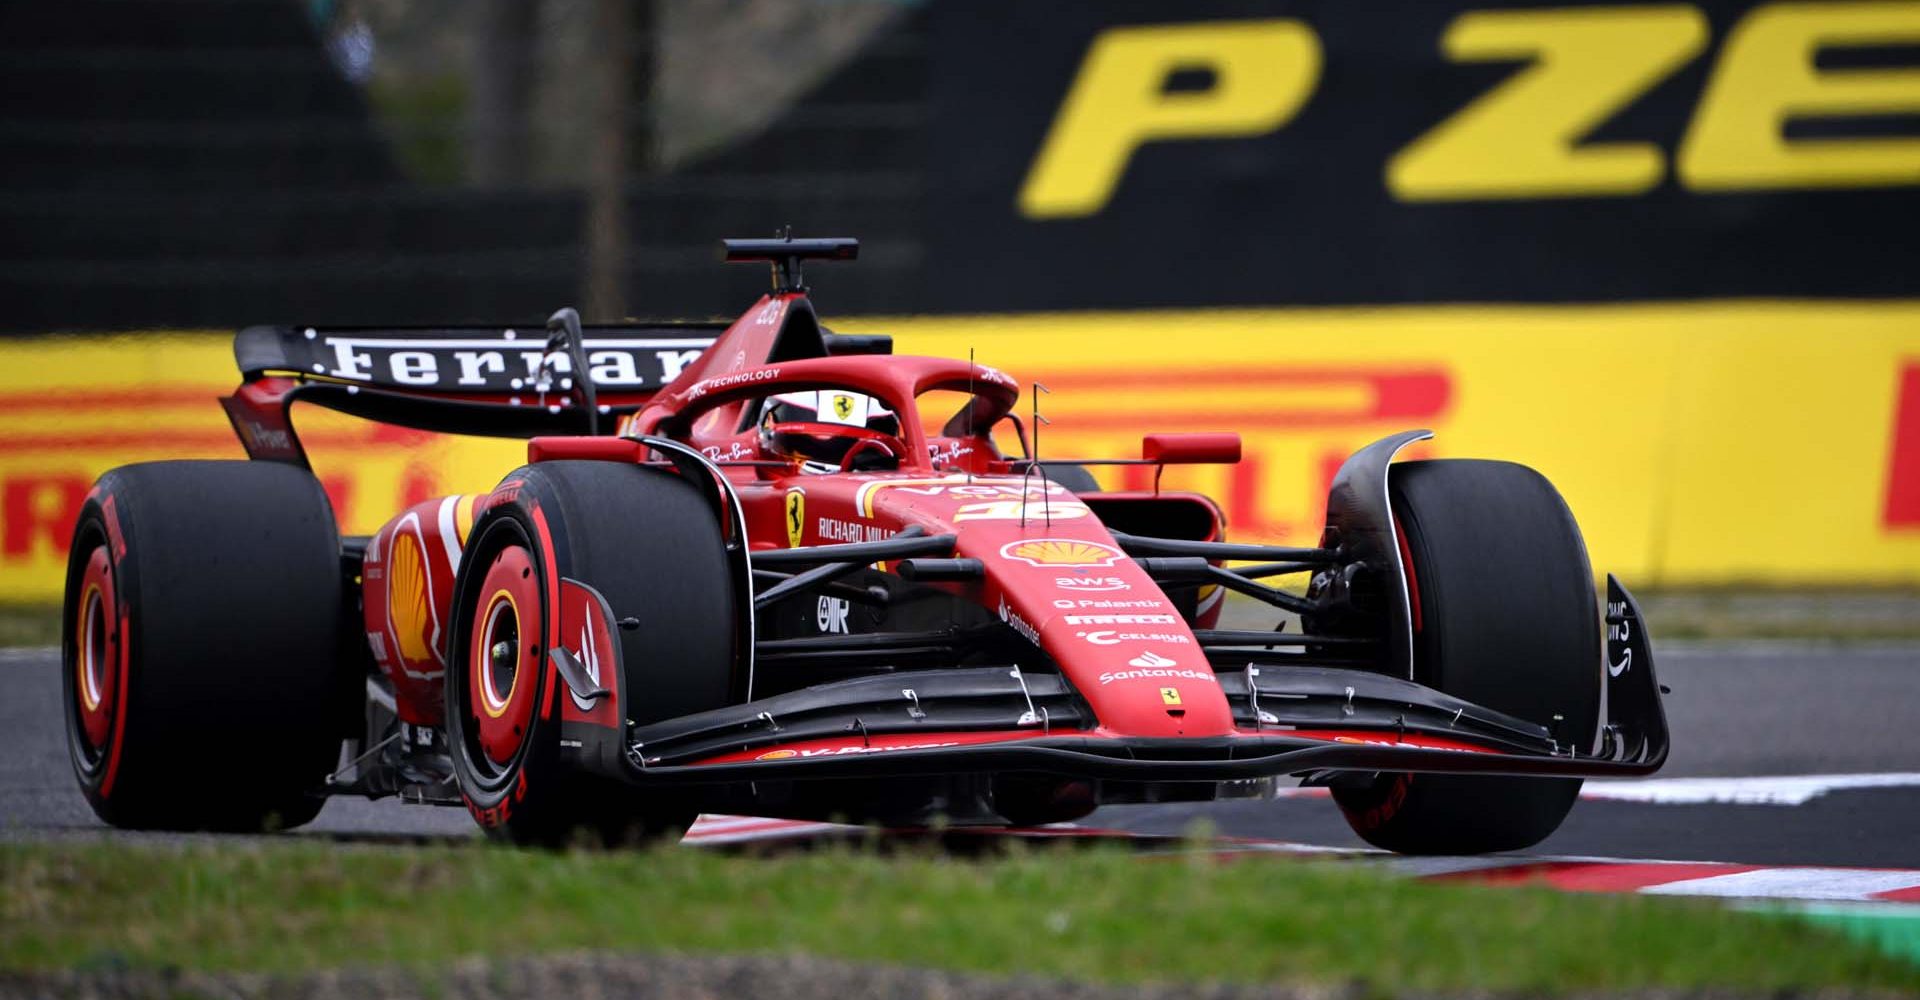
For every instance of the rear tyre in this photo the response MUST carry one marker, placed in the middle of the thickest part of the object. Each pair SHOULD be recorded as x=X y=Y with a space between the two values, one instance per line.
x=650 y=544
x=1506 y=617
x=201 y=625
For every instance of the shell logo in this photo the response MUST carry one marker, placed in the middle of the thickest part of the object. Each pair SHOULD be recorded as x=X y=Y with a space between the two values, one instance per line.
x=1060 y=552
x=407 y=598
x=778 y=755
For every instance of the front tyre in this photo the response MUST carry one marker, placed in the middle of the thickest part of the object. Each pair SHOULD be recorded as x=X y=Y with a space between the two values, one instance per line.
x=650 y=544
x=199 y=646
x=1504 y=616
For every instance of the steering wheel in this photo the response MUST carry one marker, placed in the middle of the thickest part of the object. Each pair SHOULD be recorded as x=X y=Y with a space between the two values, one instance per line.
x=865 y=439
x=865 y=445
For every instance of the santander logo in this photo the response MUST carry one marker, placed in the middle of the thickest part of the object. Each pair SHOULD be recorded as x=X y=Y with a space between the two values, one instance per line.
x=1151 y=666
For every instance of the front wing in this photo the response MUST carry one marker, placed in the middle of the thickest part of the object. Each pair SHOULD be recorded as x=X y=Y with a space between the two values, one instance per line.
x=1305 y=721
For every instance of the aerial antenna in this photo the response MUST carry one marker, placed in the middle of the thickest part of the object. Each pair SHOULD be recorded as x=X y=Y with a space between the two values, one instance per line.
x=1033 y=466
x=969 y=468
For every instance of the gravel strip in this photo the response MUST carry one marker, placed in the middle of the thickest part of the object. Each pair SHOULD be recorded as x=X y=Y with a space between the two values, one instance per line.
x=599 y=976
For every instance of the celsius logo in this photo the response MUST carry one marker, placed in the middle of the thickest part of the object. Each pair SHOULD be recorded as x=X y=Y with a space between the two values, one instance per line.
x=1109 y=637
x=1149 y=659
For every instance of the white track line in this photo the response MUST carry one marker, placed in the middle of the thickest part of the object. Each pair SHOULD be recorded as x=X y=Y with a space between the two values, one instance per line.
x=1780 y=790
x=1773 y=790
x=1793 y=883
x=1763 y=790
x=1429 y=867
x=1625 y=874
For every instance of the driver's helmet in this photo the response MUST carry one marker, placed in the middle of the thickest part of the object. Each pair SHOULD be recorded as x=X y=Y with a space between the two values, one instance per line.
x=818 y=447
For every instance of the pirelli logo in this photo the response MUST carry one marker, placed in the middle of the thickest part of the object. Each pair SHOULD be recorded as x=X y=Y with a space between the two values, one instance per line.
x=1528 y=136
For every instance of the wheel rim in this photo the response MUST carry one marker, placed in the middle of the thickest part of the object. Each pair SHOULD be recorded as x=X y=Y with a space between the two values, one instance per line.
x=503 y=657
x=96 y=652
x=501 y=654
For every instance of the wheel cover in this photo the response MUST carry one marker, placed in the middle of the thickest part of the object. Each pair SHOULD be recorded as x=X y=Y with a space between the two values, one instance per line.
x=504 y=655
x=96 y=644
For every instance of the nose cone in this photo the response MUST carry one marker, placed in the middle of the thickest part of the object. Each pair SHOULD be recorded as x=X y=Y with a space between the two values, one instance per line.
x=1056 y=576
x=1070 y=590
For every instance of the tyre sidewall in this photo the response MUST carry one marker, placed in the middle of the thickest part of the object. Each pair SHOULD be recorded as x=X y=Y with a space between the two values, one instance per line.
x=91 y=769
x=572 y=517
x=212 y=729
x=530 y=777
x=1524 y=654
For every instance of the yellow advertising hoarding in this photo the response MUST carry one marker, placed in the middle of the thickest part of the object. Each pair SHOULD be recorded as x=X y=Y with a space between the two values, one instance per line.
x=77 y=406
x=1719 y=442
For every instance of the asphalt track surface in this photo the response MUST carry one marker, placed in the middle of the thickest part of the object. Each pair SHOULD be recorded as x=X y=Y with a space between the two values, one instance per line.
x=1740 y=710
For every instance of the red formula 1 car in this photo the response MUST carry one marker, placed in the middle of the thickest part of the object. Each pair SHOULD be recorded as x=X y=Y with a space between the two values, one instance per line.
x=805 y=577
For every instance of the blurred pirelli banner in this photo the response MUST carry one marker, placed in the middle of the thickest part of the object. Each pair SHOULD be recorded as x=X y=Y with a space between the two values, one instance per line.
x=1666 y=253
x=1126 y=154
x=1773 y=442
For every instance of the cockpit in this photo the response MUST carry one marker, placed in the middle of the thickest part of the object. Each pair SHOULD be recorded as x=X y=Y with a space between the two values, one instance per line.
x=820 y=419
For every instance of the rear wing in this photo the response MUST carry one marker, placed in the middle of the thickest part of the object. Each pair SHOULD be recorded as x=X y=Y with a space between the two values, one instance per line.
x=500 y=381
x=495 y=381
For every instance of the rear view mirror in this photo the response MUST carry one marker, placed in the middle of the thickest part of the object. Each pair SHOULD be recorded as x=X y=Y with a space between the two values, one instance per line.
x=1191 y=449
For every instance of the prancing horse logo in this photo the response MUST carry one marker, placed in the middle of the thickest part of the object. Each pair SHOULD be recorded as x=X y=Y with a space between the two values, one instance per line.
x=796 y=517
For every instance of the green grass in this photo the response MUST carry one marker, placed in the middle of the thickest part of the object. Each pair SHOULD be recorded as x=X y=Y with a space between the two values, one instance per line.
x=1089 y=914
x=29 y=625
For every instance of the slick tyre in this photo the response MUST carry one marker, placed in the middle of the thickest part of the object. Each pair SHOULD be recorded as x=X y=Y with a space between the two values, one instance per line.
x=1505 y=616
x=651 y=545
x=200 y=646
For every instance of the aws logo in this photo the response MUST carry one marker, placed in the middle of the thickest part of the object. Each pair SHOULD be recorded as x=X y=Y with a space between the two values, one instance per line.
x=1524 y=138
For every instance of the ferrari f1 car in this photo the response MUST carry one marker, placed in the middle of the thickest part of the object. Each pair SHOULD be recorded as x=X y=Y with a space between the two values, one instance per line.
x=770 y=569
